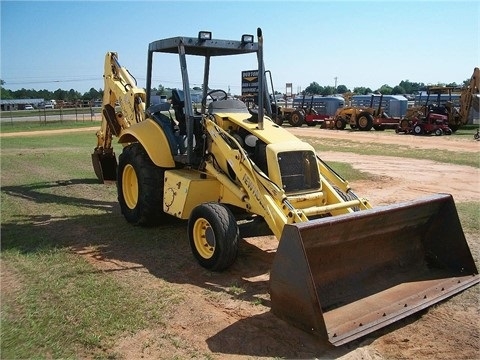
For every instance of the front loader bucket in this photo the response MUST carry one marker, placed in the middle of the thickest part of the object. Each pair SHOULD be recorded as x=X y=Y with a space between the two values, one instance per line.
x=105 y=166
x=345 y=276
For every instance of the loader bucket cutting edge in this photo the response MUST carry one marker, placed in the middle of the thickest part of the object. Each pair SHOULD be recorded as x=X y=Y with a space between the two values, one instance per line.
x=105 y=166
x=345 y=276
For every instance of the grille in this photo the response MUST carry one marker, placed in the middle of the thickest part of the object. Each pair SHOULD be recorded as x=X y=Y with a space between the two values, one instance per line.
x=299 y=171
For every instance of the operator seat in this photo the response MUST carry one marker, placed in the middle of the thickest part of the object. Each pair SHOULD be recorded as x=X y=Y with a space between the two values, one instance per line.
x=178 y=103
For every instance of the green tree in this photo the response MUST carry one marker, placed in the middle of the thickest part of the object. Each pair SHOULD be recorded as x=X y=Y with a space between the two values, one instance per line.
x=362 y=90
x=60 y=94
x=454 y=84
x=328 y=90
x=385 y=90
x=43 y=94
x=342 y=89
x=161 y=90
x=73 y=95
x=92 y=94
x=4 y=93
x=411 y=87
x=314 y=88
x=398 y=90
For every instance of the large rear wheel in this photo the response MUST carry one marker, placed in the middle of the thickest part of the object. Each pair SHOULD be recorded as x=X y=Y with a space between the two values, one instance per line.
x=213 y=234
x=296 y=119
x=140 y=187
x=365 y=121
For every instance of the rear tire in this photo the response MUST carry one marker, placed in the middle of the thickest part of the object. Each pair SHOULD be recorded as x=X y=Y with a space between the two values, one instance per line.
x=140 y=187
x=365 y=121
x=214 y=236
x=296 y=119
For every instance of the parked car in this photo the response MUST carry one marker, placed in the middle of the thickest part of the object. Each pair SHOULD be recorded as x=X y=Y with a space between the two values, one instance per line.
x=28 y=107
x=49 y=104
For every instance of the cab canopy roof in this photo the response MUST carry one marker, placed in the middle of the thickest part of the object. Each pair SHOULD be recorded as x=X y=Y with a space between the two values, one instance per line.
x=204 y=47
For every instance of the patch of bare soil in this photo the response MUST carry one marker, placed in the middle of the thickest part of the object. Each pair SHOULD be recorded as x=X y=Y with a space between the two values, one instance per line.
x=451 y=143
x=227 y=315
x=400 y=179
x=48 y=132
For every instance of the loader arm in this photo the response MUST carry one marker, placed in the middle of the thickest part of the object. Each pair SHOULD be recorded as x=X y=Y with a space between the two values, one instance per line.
x=264 y=197
x=261 y=196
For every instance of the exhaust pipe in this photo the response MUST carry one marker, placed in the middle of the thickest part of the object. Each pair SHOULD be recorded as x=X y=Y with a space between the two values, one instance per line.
x=261 y=82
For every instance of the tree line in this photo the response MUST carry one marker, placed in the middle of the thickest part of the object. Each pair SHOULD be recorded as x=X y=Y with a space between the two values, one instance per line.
x=59 y=94
x=404 y=87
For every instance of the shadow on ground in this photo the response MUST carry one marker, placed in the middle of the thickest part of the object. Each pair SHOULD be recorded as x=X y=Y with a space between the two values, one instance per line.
x=92 y=220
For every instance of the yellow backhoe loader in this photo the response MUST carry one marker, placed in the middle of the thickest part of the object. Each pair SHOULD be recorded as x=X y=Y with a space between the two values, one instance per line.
x=342 y=268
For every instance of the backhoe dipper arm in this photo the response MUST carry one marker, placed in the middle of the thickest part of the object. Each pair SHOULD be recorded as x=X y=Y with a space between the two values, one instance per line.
x=121 y=88
x=468 y=94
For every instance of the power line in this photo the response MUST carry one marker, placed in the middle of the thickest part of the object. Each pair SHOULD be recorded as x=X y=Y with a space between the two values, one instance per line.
x=48 y=81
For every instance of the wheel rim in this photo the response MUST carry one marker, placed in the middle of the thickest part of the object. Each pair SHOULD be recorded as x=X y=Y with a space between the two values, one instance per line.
x=204 y=238
x=295 y=119
x=130 y=186
x=362 y=122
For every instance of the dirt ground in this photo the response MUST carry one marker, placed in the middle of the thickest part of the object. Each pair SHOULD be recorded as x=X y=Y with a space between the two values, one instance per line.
x=227 y=315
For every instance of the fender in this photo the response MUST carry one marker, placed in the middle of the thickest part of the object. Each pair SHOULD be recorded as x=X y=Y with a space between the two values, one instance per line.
x=153 y=139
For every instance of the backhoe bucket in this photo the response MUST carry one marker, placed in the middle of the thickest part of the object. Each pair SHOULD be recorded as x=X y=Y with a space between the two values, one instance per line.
x=105 y=166
x=345 y=276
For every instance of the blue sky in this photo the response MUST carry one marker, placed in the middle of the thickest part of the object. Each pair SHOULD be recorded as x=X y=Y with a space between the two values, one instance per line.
x=62 y=44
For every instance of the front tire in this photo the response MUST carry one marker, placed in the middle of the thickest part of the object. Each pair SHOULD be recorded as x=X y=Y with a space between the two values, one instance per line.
x=214 y=236
x=140 y=187
x=340 y=123
x=417 y=130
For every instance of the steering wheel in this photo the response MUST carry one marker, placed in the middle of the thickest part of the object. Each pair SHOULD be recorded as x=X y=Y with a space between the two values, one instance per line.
x=222 y=96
